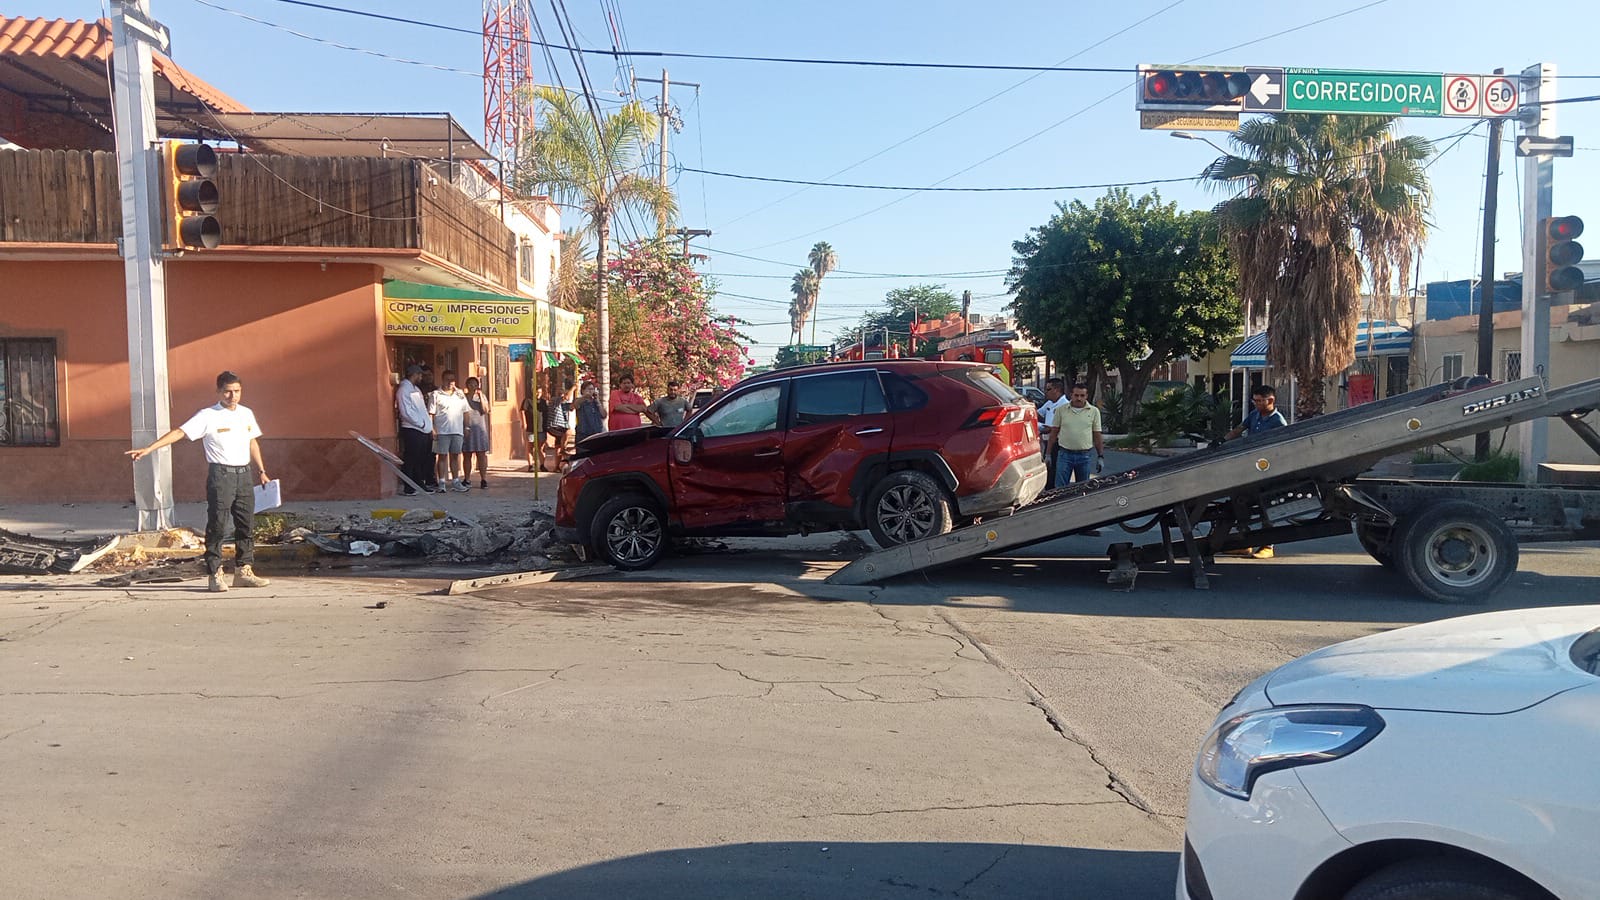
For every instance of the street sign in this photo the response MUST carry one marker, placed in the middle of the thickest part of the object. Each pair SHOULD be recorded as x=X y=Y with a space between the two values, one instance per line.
x=1199 y=120
x=142 y=27
x=1530 y=145
x=1355 y=92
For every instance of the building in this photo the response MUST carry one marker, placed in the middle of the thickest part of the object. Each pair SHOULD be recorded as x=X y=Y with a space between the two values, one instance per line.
x=352 y=245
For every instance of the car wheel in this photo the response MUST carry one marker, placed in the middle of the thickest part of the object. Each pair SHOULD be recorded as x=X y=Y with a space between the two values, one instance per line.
x=1440 y=879
x=1456 y=551
x=1378 y=541
x=629 y=532
x=907 y=506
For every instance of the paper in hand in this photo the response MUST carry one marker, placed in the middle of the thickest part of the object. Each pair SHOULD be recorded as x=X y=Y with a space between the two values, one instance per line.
x=268 y=496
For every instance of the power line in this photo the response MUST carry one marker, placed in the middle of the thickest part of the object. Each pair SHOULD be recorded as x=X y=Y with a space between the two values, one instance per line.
x=894 y=187
x=729 y=57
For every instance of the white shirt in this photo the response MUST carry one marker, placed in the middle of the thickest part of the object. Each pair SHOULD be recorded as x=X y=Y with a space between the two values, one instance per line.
x=413 y=409
x=449 y=411
x=227 y=433
x=1047 y=411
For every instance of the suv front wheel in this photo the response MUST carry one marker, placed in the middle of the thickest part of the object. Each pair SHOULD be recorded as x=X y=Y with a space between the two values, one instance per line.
x=907 y=506
x=629 y=532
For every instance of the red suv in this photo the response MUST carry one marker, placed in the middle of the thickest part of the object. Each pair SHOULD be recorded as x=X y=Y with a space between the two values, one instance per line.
x=904 y=448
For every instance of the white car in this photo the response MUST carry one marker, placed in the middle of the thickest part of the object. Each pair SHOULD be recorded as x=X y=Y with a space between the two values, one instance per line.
x=1456 y=760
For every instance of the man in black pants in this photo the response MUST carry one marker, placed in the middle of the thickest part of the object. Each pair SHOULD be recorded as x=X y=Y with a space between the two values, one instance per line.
x=416 y=426
x=230 y=436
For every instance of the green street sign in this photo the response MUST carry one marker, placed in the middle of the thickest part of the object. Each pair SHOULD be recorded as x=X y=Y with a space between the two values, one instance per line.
x=1366 y=93
x=1336 y=91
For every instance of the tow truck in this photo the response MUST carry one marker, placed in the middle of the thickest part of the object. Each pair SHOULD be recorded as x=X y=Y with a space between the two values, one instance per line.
x=1453 y=541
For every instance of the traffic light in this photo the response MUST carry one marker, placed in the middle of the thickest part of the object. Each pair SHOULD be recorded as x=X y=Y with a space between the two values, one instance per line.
x=192 y=197
x=1189 y=88
x=1562 y=253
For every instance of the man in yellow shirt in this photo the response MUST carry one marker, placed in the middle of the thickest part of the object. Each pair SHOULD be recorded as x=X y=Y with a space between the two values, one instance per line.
x=1080 y=446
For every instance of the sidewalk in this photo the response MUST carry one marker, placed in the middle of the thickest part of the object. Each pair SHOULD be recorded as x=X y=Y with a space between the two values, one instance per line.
x=509 y=499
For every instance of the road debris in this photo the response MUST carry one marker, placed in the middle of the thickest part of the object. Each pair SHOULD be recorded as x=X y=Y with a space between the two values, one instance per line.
x=22 y=554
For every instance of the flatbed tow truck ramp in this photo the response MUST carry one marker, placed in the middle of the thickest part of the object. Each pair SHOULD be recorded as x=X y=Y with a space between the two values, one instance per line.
x=1455 y=542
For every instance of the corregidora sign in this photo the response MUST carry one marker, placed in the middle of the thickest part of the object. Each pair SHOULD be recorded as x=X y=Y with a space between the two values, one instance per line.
x=1370 y=93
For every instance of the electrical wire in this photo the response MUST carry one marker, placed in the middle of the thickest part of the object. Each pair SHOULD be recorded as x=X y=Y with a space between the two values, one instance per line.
x=894 y=187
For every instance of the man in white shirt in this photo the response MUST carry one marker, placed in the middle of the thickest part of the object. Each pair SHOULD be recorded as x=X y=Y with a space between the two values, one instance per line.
x=416 y=427
x=449 y=409
x=229 y=434
x=1055 y=396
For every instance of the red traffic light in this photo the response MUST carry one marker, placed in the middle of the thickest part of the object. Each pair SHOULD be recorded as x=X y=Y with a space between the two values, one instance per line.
x=1565 y=228
x=1193 y=87
x=1562 y=254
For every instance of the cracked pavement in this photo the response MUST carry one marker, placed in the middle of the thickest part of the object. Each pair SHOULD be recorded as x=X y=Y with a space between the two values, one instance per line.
x=724 y=726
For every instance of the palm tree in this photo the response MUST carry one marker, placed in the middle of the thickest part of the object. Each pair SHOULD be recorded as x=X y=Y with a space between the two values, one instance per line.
x=1320 y=205
x=805 y=285
x=594 y=167
x=822 y=262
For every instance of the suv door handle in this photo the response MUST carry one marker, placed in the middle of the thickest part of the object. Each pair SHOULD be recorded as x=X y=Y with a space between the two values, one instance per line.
x=761 y=454
x=866 y=431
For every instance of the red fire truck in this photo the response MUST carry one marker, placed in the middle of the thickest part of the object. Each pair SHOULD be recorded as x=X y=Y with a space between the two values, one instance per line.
x=993 y=347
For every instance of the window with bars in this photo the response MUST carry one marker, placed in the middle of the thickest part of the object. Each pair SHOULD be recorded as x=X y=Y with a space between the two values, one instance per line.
x=1511 y=365
x=525 y=261
x=28 y=414
x=1452 y=367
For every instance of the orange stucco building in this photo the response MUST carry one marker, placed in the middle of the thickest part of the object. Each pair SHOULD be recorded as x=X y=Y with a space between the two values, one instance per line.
x=293 y=300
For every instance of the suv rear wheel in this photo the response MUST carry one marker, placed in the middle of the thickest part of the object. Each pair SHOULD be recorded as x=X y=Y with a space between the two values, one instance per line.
x=907 y=506
x=629 y=532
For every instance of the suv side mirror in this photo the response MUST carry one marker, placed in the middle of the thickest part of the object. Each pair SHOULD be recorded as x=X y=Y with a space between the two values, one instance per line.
x=683 y=443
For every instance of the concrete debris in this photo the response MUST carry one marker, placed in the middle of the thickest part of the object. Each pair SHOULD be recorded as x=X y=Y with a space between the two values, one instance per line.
x=21 y=554
x=417 y=517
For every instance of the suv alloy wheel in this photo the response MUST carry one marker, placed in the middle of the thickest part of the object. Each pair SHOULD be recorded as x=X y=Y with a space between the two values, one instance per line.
x=907 y=506
x=629 y=532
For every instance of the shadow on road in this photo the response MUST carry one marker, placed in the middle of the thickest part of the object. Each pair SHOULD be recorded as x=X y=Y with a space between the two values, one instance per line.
x=861 y=871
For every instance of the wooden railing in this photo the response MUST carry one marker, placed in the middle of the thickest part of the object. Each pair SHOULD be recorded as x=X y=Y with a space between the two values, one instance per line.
x=71 y=196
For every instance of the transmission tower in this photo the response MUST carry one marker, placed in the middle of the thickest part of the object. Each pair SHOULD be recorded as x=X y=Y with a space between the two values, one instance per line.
x=507 y=68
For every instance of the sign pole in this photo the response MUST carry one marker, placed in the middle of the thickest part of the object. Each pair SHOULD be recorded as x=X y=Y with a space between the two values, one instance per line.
x=138 y=159
x=1486 y=296
x=1538 y=177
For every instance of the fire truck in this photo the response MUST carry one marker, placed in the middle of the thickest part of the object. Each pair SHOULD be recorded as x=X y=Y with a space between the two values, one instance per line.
x=992 y=346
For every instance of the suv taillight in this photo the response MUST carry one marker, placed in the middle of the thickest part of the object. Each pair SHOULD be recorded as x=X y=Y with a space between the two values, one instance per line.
x=991 y=416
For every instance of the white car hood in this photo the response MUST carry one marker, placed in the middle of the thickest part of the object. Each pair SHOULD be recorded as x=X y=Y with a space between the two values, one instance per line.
x=1490 y=663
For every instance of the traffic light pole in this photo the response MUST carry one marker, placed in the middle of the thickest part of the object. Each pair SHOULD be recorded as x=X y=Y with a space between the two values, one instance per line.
x=1538 y=176
x=138 y=165
x=1486 y=295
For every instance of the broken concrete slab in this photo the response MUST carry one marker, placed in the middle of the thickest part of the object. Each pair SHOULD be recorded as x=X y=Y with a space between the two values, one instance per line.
x=539 y=576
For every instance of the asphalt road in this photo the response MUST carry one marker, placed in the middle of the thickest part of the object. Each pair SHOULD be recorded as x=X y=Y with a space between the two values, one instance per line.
x=724 y=727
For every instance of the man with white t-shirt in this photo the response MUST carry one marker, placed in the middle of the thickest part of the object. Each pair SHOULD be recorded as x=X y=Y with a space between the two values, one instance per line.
x=1055 y=397
x=449 y=410
x=229 y=434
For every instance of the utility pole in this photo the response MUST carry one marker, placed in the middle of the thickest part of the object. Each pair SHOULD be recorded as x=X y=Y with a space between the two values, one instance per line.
x=966 y=313
x=1491 y=196
x=1538 y=173
x=665 y=118
x=688 y=233
x=133 y=32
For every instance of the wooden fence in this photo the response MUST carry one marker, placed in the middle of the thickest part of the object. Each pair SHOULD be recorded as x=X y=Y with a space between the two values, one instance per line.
x=72 y=196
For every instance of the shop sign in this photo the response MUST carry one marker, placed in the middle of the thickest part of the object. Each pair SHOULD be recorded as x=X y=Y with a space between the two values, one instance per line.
x=459 y=318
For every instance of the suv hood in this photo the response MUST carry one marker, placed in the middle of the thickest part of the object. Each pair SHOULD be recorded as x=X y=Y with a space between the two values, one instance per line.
x=1492 y=663
x=606 y=441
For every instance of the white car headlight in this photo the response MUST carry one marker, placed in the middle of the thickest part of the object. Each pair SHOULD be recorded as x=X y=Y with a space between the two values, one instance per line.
x=1246 y=746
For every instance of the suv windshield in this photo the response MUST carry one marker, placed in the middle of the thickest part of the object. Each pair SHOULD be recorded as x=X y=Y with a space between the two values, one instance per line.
x=989 y=384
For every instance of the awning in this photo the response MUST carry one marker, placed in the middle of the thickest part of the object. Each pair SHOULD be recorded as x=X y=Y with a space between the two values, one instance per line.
x=413 y=135
x=431 y=310
x=1388 y=339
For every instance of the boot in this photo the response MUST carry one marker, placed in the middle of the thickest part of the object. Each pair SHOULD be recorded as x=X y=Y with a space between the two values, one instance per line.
x=243 y=577
x=217 y=585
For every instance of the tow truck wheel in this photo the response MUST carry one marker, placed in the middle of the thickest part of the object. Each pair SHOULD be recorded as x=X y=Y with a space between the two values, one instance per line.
x=629 y=532
x=1455 y=552
x=1378 y=541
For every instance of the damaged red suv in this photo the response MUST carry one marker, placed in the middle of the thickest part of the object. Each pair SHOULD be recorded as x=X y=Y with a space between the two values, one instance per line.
x=905 y=448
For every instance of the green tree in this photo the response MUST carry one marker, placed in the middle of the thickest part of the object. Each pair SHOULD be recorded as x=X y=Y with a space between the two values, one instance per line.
x=594 y=167
x=823 y=261
x=1130 y=284
x=904 y=305
x=1319 y=205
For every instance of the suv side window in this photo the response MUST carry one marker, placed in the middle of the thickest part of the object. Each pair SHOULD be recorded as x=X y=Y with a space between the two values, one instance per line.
x=750 y=412
x=829 y=398
x=901 y=393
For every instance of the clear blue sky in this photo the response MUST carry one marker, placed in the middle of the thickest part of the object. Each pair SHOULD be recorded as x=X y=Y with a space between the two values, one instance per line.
x=808 y=122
